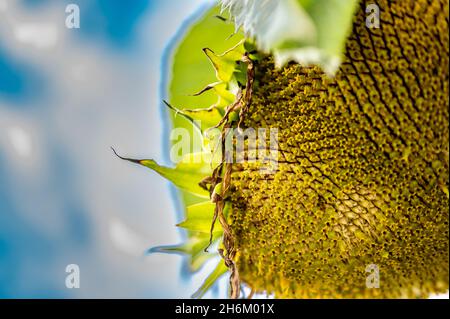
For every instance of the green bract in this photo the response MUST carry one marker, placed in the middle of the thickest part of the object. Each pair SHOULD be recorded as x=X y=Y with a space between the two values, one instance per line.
x=199 y=110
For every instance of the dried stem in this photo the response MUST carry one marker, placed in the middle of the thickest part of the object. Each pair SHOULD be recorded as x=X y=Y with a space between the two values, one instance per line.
x=242 y=103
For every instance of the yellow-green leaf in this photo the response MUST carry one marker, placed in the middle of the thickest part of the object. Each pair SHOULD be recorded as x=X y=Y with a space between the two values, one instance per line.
x=199 y=218
x=225 y=92
x=225 y=64
x=193 y=247
x=201 y=118
x=187 y=174
x=190 y=70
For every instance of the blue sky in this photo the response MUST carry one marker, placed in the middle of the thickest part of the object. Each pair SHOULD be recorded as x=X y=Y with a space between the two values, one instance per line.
x=66 y=96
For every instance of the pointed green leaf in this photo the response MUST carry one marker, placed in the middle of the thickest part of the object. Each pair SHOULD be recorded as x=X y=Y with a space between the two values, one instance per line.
x=206 y=117
x=193 y=247
x=224 y=92
x=199 y=218
x=211 y=280
x=187 y=174
x=190 y=68
x=225 y=64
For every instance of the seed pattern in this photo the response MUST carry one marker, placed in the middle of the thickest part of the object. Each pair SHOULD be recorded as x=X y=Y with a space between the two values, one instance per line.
x=363 y=166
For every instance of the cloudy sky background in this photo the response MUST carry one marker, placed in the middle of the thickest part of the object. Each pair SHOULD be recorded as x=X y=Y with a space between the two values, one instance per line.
x=66 y=96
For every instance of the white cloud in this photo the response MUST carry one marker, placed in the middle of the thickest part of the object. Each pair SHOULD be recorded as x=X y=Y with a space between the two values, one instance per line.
x=21 y=141
x=39 y=35
x=3 y=5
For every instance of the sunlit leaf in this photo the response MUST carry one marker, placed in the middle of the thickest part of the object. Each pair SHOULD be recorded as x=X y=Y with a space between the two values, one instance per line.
x=223 y=90
x=191 y=70
x=202 y=118
x=193 y=247
x=186 y=175
x=199 y=217
x=225 y=64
